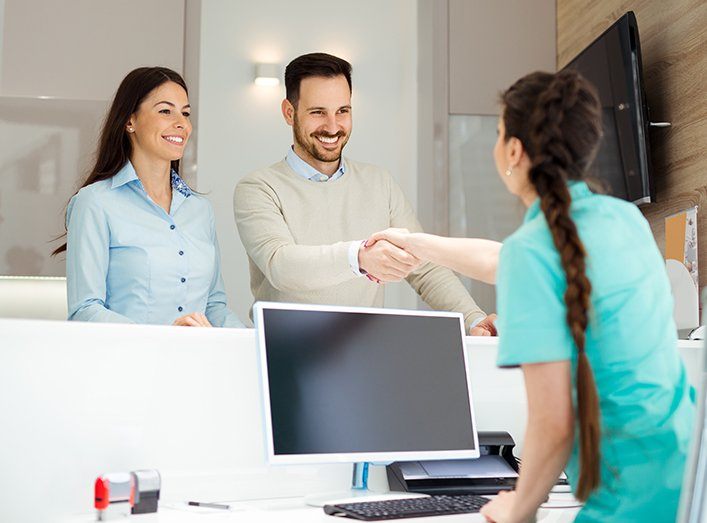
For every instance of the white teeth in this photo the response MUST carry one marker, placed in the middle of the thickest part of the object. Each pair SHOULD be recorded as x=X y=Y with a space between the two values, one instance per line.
x=326 y=139
x=175 y=139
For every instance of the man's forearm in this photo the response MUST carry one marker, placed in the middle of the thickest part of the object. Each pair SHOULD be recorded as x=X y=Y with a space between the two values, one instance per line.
x=441 y=290
x=296 y=268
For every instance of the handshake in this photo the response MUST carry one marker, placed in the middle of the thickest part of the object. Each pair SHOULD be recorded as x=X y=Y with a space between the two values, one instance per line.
x=392 y=254
x=386 y=256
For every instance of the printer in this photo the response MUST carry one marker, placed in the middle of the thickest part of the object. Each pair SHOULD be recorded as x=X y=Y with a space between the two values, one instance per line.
x=495 y=470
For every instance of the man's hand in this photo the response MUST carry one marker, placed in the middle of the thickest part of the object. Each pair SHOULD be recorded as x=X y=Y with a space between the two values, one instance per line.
x=485 y=327
x=195 y=319
x=385 y=262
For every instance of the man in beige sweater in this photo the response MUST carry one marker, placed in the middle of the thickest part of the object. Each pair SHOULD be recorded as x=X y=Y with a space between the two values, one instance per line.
x=304 y=220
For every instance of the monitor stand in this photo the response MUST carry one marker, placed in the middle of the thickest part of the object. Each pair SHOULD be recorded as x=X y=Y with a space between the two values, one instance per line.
x=358 y=492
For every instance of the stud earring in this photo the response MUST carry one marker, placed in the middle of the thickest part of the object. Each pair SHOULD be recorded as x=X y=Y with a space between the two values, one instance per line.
x=130 y=129
x=509 y=171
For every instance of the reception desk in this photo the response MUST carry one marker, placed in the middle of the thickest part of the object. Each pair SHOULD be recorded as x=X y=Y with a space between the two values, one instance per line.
x=81 y=399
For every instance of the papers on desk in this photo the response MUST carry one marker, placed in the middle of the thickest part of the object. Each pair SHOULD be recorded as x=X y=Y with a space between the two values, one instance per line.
x=490 y=466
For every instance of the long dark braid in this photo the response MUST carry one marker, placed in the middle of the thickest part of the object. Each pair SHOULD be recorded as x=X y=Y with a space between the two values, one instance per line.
x=561 y=137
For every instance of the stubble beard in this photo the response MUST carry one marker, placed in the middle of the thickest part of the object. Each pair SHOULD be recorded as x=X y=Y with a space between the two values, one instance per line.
x=311 y=146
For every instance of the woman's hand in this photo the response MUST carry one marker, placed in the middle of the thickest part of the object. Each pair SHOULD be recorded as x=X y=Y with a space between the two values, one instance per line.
x=499 y=509
x=398 y=237
x=473 y=257
x=195 y=319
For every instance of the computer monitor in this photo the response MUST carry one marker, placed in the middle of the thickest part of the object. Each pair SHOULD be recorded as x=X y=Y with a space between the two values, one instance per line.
x=345 y=384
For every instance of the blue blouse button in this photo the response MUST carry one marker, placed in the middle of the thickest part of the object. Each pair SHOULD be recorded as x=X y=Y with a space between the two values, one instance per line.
x=181 y=253
x=180 y=308
x=172 y=227
x=183 y=280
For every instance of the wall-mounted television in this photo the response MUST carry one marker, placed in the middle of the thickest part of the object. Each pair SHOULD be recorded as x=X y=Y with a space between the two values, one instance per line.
x=613 y=64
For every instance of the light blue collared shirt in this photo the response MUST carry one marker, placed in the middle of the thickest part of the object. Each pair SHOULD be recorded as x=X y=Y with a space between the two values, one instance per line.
x=303 y=169
x=128 y=261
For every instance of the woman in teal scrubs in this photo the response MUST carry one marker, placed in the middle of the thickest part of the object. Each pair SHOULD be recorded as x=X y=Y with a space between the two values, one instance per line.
x=584 y=307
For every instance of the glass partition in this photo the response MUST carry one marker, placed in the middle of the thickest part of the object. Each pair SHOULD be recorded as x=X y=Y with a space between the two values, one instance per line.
x=479 y=205
x=48 y=144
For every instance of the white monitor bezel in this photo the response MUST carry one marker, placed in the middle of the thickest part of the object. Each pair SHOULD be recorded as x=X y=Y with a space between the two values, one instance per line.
x=353 y=457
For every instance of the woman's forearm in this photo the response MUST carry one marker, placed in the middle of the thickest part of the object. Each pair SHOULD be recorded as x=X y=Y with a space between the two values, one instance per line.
x=472 y=257
x=549 y=434
x=544 y=457
x=94 y=310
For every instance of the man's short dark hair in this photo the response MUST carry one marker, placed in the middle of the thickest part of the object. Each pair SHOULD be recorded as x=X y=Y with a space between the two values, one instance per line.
x=313 y=64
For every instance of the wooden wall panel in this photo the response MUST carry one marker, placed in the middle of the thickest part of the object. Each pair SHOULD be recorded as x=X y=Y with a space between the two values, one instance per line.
x=673 y=38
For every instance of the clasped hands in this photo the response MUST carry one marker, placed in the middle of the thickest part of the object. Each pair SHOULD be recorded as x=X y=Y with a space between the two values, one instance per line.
x=384 y=257
x=389 y=256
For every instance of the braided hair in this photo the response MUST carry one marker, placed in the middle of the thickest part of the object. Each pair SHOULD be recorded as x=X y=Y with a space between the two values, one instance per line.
x=557 y=118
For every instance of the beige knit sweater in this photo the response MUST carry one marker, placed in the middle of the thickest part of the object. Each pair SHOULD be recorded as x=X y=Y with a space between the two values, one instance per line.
x=297 y=234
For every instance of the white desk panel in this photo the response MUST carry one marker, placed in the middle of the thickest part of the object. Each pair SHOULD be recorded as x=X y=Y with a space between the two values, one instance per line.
x=81 y=399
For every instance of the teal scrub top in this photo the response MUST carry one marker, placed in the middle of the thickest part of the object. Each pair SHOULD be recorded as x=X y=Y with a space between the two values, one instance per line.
x=646 y=402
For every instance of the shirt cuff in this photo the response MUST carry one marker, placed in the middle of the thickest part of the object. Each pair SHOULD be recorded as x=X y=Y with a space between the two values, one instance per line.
x=476 y=322
x=354 y=246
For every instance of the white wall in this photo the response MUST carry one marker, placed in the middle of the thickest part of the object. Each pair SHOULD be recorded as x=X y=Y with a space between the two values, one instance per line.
x=82 y=49
x=240 y=126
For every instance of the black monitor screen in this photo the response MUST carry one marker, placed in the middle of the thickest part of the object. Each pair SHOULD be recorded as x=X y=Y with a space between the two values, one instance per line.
x=356 y=382
x=612 y=63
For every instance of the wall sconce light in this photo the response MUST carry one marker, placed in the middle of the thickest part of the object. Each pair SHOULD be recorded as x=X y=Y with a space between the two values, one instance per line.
x=267 y=74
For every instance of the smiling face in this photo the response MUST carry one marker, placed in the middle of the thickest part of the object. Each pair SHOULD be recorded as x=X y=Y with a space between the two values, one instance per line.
x=160 y=128
x=321 y=121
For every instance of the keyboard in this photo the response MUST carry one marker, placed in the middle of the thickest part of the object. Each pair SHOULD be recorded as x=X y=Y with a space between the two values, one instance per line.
x=408 y=507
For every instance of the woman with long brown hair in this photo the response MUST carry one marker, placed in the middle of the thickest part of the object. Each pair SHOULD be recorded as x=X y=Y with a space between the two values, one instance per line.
x=141 y=245
x=584 y=307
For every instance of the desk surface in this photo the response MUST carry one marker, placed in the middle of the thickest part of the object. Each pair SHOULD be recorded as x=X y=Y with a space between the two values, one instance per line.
x=290 y=510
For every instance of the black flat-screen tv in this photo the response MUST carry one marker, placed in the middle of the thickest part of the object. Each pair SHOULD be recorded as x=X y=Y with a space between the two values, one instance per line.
x=613 y=64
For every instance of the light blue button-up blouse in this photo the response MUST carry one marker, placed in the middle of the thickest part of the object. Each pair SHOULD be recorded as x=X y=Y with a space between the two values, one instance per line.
x=128 y=261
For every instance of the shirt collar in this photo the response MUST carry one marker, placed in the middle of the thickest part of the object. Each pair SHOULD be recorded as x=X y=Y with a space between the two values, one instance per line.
x=308 y=172
x=180 y=185
x=578 y=190
x=127 y=174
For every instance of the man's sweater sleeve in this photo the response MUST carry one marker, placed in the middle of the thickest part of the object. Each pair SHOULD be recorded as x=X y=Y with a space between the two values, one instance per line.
x=438 y=286
x=269 y=243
